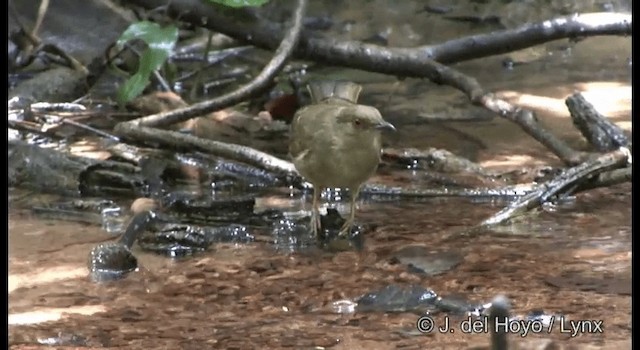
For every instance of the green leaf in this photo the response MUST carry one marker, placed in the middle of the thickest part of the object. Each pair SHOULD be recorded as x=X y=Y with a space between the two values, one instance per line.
x=152 y=34
x=240 y=3
x=132 y=87
x=152 y=59
x=160 y=44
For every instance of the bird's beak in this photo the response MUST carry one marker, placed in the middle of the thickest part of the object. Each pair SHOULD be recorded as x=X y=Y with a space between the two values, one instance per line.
x=386 y=126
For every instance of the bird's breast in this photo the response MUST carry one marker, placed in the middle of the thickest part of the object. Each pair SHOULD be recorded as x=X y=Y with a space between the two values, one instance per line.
x=327 y=154
x=349 y=164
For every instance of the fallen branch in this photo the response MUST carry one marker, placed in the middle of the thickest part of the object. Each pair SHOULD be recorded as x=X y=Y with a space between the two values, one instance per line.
x=409 y=62
x=531 y=34
x=604 y=135
x=608 y=178
x=506 y=192
x=436 y=159
x=524 y=118
x=230 y=151
x=566 y=183
x=90 y=128
x=419 y=62
x=257 y=85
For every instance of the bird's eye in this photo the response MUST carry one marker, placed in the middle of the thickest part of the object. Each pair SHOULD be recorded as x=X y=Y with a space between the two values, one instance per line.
x=357 y=122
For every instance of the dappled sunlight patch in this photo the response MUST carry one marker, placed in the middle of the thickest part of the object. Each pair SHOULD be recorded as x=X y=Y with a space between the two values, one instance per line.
x=609 y=98
x=43 y=276
x=550 y=105
x=271 y=202
x=52 y=314
x=511 y=161
x=625 y=125
x=89 y=148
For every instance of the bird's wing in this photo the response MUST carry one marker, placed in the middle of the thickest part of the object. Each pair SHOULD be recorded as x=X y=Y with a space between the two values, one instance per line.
x=298 y=143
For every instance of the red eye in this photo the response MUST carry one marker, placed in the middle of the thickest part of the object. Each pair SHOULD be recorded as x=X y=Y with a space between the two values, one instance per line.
x=357 y=122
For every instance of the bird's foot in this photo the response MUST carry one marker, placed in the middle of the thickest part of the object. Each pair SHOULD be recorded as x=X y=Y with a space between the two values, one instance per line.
x=345 y=230
x=316 y=225
x=314 y=231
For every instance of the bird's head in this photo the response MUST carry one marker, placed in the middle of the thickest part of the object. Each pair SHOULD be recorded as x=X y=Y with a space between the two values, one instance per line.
x=359 y=119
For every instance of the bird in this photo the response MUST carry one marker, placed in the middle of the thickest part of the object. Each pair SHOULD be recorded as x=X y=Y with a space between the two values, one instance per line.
x=336 y=143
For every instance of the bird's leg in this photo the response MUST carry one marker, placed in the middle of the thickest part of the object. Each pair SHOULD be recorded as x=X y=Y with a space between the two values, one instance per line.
x=346 y=227
x=315 y=212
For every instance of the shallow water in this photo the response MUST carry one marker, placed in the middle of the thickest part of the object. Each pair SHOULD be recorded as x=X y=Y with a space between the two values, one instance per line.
x=244 y=295
x=574 y=259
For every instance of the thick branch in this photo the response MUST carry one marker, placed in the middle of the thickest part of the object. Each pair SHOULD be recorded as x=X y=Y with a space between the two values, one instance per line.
x=508 y=192
x=528 y=35
x=604 y=135
x=177 y=140
x=524 y=118
x=411 y=62
x=257 y=85
x=606 y=179
x=565 y=183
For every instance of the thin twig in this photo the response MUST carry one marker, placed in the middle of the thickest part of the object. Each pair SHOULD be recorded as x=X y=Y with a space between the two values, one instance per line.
x=42 y=11
x=256 y=86
x=38 y=45
x=33 y=40
x=91 y=129
x=29 y=127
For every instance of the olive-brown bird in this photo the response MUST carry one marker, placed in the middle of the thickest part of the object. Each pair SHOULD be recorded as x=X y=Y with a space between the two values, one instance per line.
x=336 y=143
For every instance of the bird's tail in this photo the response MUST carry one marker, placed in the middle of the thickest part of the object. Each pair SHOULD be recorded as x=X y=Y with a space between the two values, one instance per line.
x=346 y=90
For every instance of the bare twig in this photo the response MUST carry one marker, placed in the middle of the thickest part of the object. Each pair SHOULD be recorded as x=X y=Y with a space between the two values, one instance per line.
x=36 y=43
x=42 y=11
x=33 y=40
x=28 y=127
x=256 y=86
x=524 y=118
x=565 y=183
x=89 y=128
x=177 y=140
